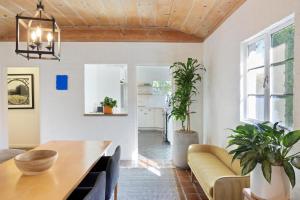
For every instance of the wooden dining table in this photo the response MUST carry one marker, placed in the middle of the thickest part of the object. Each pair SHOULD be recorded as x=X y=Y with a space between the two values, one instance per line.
x=75 y=160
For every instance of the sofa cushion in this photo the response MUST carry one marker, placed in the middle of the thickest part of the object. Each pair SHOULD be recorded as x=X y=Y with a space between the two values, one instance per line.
x=226 y=158
x=208 y=168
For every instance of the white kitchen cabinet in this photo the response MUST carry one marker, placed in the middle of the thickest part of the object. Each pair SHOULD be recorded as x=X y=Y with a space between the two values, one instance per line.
x=145 y=89
x=150 y=118
x=141 y=117
x=158 y=118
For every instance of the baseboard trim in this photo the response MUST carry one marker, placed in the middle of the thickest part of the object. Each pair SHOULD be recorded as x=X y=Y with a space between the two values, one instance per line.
x=150 y=129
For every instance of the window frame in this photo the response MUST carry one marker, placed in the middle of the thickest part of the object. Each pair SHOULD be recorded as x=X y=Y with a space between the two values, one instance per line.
x=265 y=35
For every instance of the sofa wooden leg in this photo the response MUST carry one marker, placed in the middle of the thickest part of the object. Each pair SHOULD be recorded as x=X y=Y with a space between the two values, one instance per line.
x=116 y=193
x=192 y=177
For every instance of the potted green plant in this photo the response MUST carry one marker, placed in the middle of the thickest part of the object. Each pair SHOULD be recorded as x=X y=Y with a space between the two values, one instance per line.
x=186 y=78
x=108 y=105
x=264 y=150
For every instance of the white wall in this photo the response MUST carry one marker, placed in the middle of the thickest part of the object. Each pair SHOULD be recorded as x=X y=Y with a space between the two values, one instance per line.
x=24 y=124
x=62 y=111
x=3 y=109
x=222 y=60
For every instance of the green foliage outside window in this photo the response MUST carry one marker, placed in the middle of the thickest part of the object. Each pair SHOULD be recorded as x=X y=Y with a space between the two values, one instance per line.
x=162 y=87
x=286 y=37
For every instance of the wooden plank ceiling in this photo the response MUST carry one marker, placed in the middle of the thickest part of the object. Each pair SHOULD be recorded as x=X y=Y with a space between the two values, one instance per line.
x=125 y=20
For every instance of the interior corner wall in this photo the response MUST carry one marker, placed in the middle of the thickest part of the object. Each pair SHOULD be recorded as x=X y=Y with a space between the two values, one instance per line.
x=3 y=110
x=221 y=53
x=24 y=124
x=62 y=112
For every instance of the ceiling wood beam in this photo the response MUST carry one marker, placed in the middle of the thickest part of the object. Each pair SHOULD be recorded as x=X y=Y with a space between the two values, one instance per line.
x=77 y=11
x=115 y=11
x=217 y=15
x=117 y=35
x=147 y=12
x=50 y=8
x=180 y=11
x=68 y=11
x=8 y=26
x=234 y=7
x=97 y=10
x=198 y=15
x=164 y=8
x=195 y=18
x=18 y=6
x=131 y=12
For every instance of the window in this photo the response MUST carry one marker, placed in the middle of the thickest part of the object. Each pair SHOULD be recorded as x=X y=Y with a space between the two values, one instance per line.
x=267 y=75
x=162 y=87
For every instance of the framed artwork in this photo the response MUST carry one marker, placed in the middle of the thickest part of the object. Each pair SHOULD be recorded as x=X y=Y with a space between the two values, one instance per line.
x=20 y=91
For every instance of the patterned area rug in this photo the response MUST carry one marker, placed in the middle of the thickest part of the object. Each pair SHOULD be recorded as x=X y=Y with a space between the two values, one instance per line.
x=151 y=146
x=147 y=184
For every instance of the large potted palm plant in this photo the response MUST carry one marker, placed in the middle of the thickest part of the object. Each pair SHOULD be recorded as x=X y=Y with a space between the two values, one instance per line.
x=186 y=78
x=264 y=150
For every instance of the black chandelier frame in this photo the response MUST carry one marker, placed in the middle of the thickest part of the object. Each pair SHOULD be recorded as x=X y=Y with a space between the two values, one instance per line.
x=38 y=53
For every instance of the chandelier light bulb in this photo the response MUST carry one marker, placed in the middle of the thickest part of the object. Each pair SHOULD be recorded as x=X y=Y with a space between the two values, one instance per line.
x=49 y=37
x=33 y=36
x=38 y=32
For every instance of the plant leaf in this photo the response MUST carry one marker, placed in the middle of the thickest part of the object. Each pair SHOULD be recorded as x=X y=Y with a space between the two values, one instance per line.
x=291 y=138
x=271 y=157
x=289 y=170
x=267 y=170
x=247 y=157
x=249 y=167
x=296 y=162
x=239 y=149
x=286 y=151
x=275 y=125
x=235 y=156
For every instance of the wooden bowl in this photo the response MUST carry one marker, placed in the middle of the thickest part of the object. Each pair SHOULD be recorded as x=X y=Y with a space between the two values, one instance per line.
x=36 y=161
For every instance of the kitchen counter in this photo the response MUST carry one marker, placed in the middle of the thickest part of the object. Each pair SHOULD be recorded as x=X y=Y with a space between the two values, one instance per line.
x=105 y=115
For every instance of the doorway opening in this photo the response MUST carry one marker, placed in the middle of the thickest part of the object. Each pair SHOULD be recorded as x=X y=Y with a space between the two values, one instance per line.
x=23 y=107
x=153 y=108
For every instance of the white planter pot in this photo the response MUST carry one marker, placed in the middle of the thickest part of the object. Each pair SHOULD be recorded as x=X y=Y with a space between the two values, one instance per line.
x=181 y=143
x=278 y=189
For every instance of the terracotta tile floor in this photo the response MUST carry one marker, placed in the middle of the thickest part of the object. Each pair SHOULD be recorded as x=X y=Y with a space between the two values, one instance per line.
x=189 y=190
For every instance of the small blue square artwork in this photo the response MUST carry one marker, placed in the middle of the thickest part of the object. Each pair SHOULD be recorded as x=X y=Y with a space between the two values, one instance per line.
x=61 y=82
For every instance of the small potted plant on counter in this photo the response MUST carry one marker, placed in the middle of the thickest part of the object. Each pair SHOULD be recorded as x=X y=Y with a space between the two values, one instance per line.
x=265 y=151
x=108 y=105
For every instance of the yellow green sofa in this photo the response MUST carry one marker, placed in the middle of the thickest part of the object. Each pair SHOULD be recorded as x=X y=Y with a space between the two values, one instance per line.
x=219 y=178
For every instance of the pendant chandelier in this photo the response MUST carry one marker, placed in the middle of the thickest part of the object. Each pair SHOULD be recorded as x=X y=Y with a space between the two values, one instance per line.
x=38 y=36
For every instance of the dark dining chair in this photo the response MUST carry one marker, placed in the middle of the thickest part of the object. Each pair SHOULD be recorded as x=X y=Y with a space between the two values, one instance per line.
x=96 y=192
x=111 y=165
